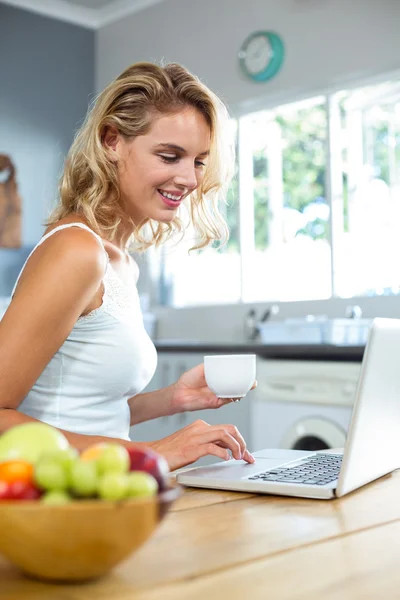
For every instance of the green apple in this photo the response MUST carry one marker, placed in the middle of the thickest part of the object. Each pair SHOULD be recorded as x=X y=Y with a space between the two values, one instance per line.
x=30 y=441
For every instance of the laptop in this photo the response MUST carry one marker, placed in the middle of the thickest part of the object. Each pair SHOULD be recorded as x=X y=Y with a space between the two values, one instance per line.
x=372 y=447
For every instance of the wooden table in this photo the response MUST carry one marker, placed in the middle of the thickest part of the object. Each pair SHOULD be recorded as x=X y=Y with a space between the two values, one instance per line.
x=227 y=545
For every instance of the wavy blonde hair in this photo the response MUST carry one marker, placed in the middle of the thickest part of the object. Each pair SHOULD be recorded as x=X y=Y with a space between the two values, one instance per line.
x=89 y=184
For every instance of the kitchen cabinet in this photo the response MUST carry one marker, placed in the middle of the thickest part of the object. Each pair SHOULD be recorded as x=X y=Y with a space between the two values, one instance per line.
x=170 y=367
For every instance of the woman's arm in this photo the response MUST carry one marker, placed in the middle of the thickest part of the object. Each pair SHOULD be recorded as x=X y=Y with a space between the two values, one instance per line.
x=189 y=393
x=152 y=405
x=180 y=449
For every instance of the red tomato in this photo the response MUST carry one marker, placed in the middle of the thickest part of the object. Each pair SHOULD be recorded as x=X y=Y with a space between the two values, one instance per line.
x=16 y=470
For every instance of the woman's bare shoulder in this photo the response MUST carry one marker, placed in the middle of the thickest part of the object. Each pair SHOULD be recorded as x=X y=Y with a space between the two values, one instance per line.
x=64 y=253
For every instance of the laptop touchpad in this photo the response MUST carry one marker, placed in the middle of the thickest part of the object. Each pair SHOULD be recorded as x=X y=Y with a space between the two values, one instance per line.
x=232 y=469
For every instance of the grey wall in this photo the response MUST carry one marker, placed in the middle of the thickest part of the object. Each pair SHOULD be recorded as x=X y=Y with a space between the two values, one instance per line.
x=46 y=78
x=328 y=43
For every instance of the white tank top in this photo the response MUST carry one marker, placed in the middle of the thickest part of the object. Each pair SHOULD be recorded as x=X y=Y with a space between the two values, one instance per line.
x=107 y=358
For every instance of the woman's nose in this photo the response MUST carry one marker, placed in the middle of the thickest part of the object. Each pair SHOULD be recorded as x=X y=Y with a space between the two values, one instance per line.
x=186 y=177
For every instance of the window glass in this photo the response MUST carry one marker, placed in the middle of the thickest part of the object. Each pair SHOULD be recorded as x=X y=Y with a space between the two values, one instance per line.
x=367 y=245
x=291 y=215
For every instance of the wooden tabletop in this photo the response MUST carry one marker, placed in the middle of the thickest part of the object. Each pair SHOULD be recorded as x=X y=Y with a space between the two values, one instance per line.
x=217 y=545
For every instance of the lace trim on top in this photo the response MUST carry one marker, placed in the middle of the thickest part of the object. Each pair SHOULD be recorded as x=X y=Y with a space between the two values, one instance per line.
x=116 y=301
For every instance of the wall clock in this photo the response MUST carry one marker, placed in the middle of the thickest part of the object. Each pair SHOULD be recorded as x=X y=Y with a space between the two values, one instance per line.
x=261 y=55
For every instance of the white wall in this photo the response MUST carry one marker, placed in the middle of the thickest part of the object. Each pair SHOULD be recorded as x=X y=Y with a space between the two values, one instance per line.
x=328 y=43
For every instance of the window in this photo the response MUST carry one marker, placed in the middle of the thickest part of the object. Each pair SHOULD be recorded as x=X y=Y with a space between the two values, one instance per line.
x=314 y=211
x=366 y=152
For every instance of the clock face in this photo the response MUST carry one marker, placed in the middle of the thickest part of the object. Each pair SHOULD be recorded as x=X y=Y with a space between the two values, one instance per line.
x=261 y=55
x=257 y=54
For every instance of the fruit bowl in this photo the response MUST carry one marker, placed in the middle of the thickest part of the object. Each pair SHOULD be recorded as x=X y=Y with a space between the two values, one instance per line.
x=80 y=540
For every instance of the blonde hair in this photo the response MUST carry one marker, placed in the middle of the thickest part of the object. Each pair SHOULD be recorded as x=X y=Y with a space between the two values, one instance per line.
x=89 y=184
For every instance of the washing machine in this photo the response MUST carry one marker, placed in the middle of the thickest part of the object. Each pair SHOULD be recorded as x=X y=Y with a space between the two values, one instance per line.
x=303 y=405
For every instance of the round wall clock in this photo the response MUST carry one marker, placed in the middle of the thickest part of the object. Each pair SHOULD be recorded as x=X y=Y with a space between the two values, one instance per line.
x=261 y=55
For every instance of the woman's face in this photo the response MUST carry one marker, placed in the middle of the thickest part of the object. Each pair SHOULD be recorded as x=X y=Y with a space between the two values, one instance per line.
x=159 y=169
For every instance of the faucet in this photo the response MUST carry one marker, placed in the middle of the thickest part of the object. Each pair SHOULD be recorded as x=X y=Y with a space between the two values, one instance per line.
x=251 y=321
x=270 y=312
x=353 y=311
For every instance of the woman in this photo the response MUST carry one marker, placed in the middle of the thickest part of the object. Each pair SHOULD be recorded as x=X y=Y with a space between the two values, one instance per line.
x=73 y=349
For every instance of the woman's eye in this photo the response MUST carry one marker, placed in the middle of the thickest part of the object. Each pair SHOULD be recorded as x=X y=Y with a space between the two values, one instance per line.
x=169 y=158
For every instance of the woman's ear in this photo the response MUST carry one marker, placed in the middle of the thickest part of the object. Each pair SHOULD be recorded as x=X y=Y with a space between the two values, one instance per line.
x=111 y=141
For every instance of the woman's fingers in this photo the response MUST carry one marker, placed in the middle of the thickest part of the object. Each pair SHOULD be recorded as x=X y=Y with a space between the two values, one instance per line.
x=248 y=457
x=201 y=439
x=215 y=450
x=235 y=433
x=219 y=435
x=229 y=435
x=245 y=454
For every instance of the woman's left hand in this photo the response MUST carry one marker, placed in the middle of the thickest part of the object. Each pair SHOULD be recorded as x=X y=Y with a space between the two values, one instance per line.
x=191 y=392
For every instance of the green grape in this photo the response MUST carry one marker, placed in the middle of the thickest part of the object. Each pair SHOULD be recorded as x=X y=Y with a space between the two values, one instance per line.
x=83 y=478
x=141 y=484
x=114 y=458
x=113 y=486
x=50 y=475
x=55 y=497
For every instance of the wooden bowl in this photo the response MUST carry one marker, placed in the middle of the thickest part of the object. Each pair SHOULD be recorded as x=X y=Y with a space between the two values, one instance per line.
x=81 y=540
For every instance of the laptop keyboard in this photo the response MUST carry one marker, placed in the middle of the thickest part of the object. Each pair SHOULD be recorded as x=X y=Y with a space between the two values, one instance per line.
x=319 y=469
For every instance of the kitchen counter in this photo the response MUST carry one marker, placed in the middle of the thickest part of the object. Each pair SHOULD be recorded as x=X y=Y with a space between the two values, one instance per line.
x=229 y=545
x=323 y=352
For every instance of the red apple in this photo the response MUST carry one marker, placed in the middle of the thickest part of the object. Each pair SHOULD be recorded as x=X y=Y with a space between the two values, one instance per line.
x=18 y=490
x=150 y=462
x=5 y=491
x=22 y=490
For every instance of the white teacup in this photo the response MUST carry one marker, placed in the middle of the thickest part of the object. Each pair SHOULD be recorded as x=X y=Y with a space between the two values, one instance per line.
x=230 y=375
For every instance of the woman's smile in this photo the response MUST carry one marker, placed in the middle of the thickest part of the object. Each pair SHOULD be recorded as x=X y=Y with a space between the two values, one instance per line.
x=171 y=199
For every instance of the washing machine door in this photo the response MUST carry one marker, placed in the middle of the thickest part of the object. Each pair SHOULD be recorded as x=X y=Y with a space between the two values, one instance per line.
x=314 y=433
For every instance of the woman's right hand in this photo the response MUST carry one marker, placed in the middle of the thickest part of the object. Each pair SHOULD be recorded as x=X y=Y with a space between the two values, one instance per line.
x=201 y=439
